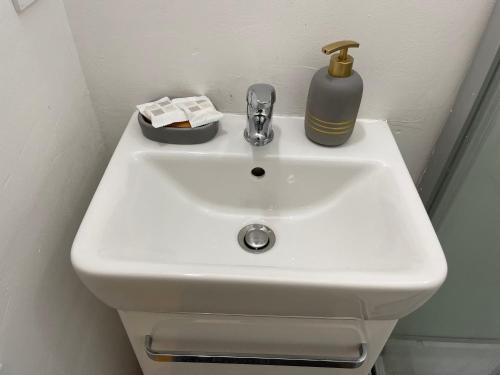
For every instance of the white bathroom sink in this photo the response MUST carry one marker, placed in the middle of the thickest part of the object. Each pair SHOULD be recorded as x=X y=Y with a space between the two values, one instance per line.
x=352 y=236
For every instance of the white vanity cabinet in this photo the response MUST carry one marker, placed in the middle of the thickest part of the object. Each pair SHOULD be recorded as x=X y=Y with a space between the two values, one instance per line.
x=244 y=338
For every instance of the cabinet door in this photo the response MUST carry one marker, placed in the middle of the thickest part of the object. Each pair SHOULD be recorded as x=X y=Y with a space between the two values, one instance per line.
x=264 y=344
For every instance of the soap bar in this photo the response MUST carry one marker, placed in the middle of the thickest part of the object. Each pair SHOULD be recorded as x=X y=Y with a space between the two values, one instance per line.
x=162 y=112
x=183 y=124
x=198 y=109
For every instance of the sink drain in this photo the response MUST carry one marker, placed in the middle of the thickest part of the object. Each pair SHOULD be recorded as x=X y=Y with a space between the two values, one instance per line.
x=256 y=238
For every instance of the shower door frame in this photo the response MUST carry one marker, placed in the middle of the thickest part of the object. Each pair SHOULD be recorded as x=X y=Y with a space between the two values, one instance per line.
x=460 y=125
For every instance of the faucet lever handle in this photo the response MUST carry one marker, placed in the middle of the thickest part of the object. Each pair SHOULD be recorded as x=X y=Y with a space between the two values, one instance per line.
x=261 y=95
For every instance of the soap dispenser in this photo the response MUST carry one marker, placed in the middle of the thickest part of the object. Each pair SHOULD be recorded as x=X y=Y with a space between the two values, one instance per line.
x=334 y=98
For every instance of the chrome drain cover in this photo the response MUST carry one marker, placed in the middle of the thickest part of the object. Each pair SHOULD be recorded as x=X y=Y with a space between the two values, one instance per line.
x=256 y=238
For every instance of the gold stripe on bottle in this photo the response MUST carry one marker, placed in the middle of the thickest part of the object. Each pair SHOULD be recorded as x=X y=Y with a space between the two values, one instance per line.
x=344 y=127
x=318 y=120
x=337 y=132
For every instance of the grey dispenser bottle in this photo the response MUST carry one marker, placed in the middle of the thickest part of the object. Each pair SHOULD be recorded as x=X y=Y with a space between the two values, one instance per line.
x=334 y=98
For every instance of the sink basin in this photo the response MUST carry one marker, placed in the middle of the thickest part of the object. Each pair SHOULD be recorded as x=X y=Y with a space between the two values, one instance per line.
x=352 y=236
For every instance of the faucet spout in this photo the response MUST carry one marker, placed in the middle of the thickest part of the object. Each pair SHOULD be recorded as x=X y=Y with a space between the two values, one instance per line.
x=260 y=101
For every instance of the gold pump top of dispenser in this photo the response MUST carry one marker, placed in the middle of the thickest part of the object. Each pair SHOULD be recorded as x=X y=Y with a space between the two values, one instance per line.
x=340 y=63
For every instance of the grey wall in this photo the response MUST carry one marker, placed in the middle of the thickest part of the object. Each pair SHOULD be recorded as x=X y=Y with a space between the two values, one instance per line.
x=51 y=157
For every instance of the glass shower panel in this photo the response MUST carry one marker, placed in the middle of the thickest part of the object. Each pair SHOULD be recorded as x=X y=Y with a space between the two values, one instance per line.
x=458 y=330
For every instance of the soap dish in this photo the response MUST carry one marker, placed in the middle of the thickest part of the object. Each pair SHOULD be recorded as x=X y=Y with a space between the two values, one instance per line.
x=180 y=136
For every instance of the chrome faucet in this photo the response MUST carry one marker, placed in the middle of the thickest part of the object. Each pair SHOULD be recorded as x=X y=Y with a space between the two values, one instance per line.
x=260 y=100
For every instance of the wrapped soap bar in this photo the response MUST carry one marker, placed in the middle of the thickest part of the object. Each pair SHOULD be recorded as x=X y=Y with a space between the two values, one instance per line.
x=162 y=112
x=198 y=109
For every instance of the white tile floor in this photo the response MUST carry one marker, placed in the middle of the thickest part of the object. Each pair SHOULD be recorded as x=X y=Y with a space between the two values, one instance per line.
x=434 y=357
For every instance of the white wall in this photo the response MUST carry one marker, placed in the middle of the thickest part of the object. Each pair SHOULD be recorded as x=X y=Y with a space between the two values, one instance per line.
x=51 y=156
x=413 y=55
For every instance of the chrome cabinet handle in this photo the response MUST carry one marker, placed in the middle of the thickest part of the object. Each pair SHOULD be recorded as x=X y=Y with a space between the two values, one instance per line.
x=253 y=359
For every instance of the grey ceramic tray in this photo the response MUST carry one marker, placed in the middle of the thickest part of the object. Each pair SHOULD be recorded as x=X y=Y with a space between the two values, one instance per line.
x=180 y=136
